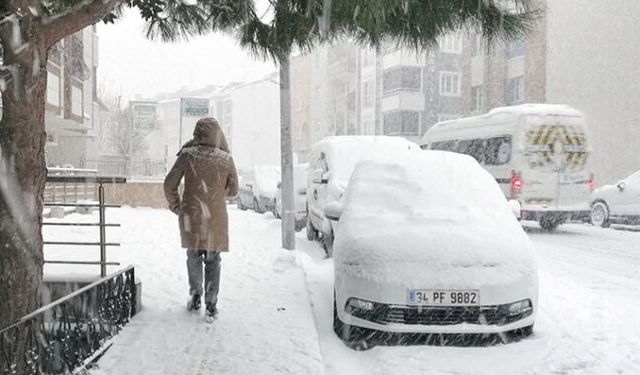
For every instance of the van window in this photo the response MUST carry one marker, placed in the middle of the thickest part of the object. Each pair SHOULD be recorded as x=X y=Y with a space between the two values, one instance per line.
x=498 y=151
x=489 y=151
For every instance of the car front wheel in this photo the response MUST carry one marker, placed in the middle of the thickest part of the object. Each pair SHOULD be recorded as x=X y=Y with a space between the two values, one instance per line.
x=600 y=215
x=312 y=233
x=355 y=338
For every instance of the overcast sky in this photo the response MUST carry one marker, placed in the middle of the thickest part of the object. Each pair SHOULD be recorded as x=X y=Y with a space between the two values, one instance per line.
x=131 y=65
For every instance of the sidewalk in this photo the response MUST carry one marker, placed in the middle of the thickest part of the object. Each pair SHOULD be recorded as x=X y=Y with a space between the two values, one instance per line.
x=265 y=325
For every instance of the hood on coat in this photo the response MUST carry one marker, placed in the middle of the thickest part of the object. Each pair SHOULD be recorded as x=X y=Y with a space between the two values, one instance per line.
x=208 y=132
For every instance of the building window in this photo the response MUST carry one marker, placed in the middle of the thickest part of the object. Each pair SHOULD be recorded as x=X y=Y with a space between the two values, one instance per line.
x=76 y=101
x=450 y=84
x=55 y=54
x=53 y=89
x=477 y=96
x=451 y=43
x=515 y=48
x=402 y=78
x=515 y=90
x=402 y=123
x=77 y=65
x=367 y=88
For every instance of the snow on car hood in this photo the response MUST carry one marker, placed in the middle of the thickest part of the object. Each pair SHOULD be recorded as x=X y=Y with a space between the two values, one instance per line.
x=434 y=216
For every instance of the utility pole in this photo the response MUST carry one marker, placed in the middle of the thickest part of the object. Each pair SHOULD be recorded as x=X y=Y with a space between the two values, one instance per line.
x=131 y=135
x=286 y=159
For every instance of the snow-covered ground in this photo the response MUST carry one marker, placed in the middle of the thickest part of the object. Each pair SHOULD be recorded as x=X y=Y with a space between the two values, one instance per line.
x=275 y=308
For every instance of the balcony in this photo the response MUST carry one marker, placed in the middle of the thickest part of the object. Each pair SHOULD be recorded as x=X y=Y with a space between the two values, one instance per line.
x=403 y=100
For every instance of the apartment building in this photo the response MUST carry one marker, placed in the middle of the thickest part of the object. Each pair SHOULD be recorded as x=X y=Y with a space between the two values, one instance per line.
x=569 y=60
x=72 y=117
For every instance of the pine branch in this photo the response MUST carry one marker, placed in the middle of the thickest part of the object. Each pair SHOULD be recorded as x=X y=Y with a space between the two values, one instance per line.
x=76 y=18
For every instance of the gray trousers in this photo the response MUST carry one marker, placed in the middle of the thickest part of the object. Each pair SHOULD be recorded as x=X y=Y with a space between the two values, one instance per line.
x=211 y=260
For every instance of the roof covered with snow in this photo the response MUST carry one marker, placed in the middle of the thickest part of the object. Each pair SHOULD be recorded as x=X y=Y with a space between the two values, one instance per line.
x=344 y=152
x=437 y=209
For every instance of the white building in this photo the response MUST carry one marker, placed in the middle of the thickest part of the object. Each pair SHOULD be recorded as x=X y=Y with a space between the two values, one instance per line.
x=255 y=129
x=72 y=113
x=597 y=71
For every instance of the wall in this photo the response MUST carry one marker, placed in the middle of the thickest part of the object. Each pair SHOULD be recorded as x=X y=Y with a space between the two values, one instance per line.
x=597 y=72
x=256 y=123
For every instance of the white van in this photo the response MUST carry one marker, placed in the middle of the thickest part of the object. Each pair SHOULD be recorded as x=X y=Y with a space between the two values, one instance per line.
x=538 y=153
x=331 y=163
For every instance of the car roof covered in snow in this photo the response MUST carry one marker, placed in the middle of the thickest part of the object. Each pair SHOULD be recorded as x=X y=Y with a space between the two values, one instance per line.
x=432 y=207
x=344 y=152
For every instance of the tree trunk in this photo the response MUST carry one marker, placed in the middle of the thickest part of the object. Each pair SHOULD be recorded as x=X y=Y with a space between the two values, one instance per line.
x=22 y=180
x=286 y=157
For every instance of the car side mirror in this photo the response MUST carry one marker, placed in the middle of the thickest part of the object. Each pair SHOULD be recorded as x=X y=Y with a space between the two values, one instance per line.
x=320 y=177
x=621 y=185
x=333 y=210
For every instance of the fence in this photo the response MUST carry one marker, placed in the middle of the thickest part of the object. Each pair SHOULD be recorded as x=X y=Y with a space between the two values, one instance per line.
x=66 y=191
x=123 y=167
x=102 y=224
x=61 y=336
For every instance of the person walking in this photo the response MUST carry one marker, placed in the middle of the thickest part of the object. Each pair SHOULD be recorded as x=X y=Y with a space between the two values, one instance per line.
x=210 y=178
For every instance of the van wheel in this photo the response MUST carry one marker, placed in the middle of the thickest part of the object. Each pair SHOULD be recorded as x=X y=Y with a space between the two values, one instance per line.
x=549 y=224
x=600 y=215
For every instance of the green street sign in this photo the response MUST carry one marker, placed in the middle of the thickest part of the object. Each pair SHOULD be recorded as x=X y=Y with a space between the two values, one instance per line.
x=144 y=115
x=195 y=107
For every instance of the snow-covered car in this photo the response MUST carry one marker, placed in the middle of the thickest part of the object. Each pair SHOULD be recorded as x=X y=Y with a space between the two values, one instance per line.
x=617 y=204
x=429 y=244
x=245 y=196
x=299 y=198
x=265 y=187
x=331 y=163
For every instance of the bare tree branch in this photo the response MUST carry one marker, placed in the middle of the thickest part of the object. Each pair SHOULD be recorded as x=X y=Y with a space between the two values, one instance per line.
x=76 y=18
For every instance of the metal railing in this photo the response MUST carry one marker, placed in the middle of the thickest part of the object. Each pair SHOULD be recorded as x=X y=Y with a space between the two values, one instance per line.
x=62 y=336
x=69 y=192
x=125 y=167
x=102 y=224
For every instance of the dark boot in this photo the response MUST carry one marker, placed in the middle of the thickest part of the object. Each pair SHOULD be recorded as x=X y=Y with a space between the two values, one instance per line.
x=194 y=303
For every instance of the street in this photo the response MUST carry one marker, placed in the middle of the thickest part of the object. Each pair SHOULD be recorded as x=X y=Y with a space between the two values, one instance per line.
x=276 y=308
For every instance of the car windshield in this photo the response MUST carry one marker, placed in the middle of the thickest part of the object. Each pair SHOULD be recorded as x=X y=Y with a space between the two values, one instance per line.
x=196 y=187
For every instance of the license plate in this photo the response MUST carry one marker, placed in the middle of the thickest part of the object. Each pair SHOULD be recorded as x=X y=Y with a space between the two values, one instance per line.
x=573 y=178
x=430 y=297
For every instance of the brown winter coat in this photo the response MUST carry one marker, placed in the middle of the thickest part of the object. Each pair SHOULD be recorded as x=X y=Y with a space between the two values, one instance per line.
x=209 y=178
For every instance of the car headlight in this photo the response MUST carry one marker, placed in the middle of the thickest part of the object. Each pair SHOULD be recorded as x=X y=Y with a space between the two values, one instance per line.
x=520 y=307
x=359 y=304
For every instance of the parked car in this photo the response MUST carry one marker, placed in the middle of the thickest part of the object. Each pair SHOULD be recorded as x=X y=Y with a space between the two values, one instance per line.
x=617 y=204
x=245 y=196
x=300 y=197
x=265 y=187
x=420 y=249
x=331 y=163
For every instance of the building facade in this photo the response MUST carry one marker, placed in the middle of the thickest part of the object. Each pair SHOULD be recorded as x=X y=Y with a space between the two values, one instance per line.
x=72 y=117
x=568 y=59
